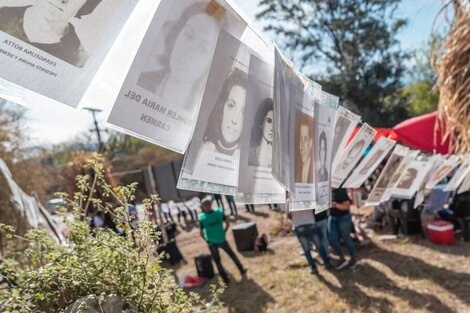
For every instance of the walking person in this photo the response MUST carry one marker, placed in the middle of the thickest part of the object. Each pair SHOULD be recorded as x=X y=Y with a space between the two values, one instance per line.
x=213 y=232
x=231 y=205
x=340 y=225
x=220 y=203
x=321 y=237
x=250 y=208
x=305 y=229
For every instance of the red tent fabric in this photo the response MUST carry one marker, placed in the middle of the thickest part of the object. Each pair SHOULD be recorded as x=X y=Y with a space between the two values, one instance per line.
x=418 y=133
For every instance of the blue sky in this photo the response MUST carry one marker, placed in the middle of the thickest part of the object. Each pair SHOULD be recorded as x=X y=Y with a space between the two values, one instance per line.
x=63 y=124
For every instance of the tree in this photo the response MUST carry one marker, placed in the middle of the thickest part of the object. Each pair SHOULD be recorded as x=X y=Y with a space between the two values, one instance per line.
x=27 y=170
x=352 y=46
x=420 y=92
x=96 y=263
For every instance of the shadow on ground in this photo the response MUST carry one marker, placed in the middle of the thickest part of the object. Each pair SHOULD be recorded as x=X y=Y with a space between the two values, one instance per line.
x=370 y=289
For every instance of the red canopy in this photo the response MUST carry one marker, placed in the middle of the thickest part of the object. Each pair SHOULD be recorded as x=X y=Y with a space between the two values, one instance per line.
x=416 y=132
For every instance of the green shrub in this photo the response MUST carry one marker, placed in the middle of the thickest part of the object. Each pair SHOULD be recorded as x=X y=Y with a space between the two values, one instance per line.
x=95 y=262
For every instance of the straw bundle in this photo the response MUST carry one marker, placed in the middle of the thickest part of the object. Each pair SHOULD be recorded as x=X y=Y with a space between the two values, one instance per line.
x=453 y=70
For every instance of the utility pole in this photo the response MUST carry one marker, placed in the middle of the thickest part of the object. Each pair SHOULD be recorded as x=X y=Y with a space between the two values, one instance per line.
x=97 y=128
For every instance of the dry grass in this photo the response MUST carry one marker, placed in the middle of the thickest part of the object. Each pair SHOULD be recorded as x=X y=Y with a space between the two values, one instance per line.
x=405 y=275
x=453 y=69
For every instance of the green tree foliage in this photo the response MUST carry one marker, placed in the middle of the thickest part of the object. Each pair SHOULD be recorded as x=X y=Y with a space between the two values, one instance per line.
x=422 y=98
x=94 y=262
x=28 y=171
x=420 y=92
x=352 y=47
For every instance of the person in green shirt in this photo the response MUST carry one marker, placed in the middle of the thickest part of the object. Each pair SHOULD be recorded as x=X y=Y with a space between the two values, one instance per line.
x=213 y=232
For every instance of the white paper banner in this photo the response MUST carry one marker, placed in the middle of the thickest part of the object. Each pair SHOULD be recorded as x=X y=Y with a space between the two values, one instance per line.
x=160 y=99
x=459 y=175
x=412 y=179
x=256 y=183
x=370 y=162
x=397 y=156
x=211 y=162
x=352 y=154
x=285 y=83
x=399 y=172
x=465 y=185
x=324 y=132
x=345 y=123
x=302 y=142
x=52 y=49
x=442 y=171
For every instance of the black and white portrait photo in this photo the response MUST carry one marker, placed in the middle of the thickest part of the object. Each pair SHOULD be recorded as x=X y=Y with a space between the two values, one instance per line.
x=378 y=154
x=177 y=67
x=370 y=162
x=353 y=154
x=406 y=181
x=214 y=153
x=322 y=171
x=389 y=170
x=341 y=127
x=303 y=148
x=256 y=183
x=225 y=123
x=47 y=25
x=261 y=141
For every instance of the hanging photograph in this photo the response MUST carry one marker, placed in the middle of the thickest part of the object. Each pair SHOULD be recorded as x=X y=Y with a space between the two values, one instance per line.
x=256 y=183
x=283 y=98
x=465 y=186
x=303 y=136
x=345 y=123
x=442 y=171
x=161 y=95
x=370 y=162
x=399 y=172
x=397 y=156
x=412 y=179
x=211 y=162
x=54 y=48
x=462 y=171
x=325 y=113
x=352 y=154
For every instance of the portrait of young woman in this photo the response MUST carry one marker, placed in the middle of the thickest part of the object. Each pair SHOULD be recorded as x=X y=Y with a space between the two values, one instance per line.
x=322 y=172
x=261 y=141
x=47 y=26
x=225 y=123
x=178 y=63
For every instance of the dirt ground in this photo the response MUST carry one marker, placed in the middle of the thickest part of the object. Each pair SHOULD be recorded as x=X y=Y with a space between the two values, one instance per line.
x=408 y=274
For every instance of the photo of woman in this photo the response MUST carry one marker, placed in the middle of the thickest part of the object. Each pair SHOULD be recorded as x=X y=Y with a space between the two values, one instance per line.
x=226 y=120
x=46 y=25
x=341 y=127
x=261 y=141
x=183 y=57
x=322 y=172
x=303 y=148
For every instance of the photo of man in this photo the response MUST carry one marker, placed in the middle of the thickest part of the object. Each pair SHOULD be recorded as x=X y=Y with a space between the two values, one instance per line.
x=47 y=26
x=408 y=178
x=303 y=148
